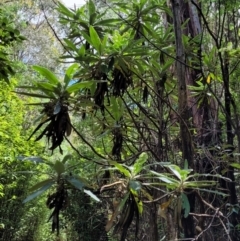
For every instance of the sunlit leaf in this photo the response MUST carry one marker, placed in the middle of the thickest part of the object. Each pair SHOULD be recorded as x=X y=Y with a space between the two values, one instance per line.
x=138 y=165
x=121 y=168
x=92 y=195
x=51 y=77
x=69 y=74
x=78 y=86
x=96 y=42
x=235 y=165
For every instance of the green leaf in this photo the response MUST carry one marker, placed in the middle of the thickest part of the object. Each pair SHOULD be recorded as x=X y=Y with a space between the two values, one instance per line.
x=212 y=191
x=33 y=95
x=104 y=44
x=86 y=37
x=69 y=74
x=70 y=45
x=81 y=52
x=116 y=107
x=46 y=86
x=139 y=204
x=38 y=192
x=121 y=168
x=41 y=184
x=64 y=10
x=185 y=205
x=51 y=77
x=66 y=158
x=235 y=165
x=96 y=42
x=178 y=172
x=59 y=167
x=108 y=22
x=205 y=183
x=92 y=195
x=91 y=7
x=76 y=182
x=78 y=86
x=138 y=165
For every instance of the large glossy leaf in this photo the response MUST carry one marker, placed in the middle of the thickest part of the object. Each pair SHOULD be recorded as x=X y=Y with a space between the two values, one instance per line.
x=76 y=182
x=92 y=195
x=86 y=37
x=138 y=165
x=51 y=77
x=38 y=192
x=178 y=172
x=165 y=178
x=78 y=86
x=46 y=86
x=69 y=74
x=116 y=108
x=41 y=184
x=59 y=167
x=121 y=168
x=96 y=42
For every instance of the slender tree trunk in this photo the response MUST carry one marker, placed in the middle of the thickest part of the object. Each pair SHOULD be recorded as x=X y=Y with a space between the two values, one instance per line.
x=187 y=149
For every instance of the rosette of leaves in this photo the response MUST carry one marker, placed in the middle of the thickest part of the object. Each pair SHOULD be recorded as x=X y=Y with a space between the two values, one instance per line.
x=54 y=112
x=129 y=190
x=59 y=181
x=179 y=182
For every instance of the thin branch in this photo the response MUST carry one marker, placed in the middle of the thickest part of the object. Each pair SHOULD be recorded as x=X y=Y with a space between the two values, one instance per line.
x=86 y=142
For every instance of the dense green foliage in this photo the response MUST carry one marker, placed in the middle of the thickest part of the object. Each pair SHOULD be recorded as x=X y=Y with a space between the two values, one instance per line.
x=136 y=132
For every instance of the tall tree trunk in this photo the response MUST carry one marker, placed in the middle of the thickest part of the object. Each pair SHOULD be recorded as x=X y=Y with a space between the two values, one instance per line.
x=187 y=148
